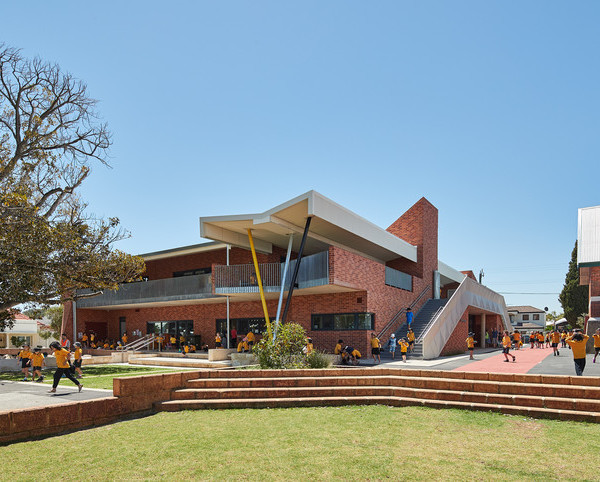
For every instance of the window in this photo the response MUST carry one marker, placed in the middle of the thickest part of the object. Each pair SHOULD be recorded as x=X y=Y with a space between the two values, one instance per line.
x=243 y=325
x=343 y=321
x=525 y=317
x=536 y=317
x=191 y=272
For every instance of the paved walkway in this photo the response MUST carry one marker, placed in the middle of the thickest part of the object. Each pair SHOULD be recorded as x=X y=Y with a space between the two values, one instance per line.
x=536 y=361
x=15 y=395
x=526 y=359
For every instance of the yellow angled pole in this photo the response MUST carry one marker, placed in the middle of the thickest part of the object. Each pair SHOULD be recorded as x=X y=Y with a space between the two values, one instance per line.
x=260 y=286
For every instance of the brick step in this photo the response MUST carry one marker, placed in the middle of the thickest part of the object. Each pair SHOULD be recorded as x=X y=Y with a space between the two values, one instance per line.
x=451 y=384
x=387 y=391
x=401 y=372
x=534 y=412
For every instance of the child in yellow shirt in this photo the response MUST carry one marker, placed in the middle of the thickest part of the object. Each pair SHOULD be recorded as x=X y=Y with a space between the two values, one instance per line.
x=596 y=344
x=78 y=359
x=25 y=357
x=471 y=345
x=37 y=361
x=403 y=348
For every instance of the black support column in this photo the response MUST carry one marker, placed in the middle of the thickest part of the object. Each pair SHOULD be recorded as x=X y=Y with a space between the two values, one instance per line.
x=296 y=269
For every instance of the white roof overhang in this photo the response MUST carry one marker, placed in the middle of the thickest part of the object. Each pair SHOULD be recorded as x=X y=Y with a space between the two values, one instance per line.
x=449 y=274
x=331 y=224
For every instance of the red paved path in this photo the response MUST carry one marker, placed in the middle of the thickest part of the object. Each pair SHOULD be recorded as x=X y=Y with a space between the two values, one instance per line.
x=526 y=360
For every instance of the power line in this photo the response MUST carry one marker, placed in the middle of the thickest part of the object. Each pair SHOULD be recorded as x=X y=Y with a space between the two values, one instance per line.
x=513 y=293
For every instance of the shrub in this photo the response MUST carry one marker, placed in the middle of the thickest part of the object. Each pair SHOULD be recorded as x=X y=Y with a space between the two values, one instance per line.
x=317 y=359
x=285 y=351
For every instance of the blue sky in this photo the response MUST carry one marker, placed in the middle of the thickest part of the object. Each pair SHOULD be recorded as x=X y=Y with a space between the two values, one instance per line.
x=488 y=109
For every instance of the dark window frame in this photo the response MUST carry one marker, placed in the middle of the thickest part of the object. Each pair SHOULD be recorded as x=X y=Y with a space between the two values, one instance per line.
x=330 y=319
x=191 y=272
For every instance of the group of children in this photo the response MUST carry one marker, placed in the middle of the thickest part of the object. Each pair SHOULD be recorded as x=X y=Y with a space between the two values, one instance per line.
x=36 y=361
x=245 y=346
x=349 y=354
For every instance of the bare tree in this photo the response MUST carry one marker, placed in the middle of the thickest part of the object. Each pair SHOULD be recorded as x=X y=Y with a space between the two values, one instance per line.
x=50 y=134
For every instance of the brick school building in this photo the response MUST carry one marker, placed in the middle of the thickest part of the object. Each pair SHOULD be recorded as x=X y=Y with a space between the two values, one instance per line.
x=353 y=278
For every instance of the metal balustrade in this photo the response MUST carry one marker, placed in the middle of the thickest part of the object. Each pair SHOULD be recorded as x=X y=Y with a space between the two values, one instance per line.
x=241 y=278
x=169 y=289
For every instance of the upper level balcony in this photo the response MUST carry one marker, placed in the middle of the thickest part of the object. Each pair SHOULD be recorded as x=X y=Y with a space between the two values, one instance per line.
x=241 y=278
x=167 y=291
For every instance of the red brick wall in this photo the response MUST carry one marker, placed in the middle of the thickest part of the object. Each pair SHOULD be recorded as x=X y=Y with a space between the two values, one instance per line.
x=456 y=342
x=419 y=227
x=164 y=268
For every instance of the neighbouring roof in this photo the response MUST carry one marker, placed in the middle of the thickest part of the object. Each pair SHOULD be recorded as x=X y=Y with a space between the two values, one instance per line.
x=524 y=309
x=588 y=236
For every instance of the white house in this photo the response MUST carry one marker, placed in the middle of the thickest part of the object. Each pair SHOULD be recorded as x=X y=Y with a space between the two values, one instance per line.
x=520 y=315
x=27 y=332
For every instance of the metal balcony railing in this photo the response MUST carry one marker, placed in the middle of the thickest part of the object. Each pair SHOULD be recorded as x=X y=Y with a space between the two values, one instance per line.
x=241 y=278
x=169 y=289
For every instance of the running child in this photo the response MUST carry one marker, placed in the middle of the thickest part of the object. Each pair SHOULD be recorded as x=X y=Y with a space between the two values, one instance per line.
x=37 y=360
x=78 y=354
x=506 y=344
x=25 y=357
x=555 y=338
x=62 y=366
x=517 y=339
x=410 y=336
x=375 y=348
x=403 y=348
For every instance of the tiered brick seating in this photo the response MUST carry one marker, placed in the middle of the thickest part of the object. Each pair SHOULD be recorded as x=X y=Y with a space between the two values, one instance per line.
x=550 y=396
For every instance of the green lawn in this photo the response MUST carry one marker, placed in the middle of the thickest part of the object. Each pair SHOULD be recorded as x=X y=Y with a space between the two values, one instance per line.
x=96 y=376
x=353 y=443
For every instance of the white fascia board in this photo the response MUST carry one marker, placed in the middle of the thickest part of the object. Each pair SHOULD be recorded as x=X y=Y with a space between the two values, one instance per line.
x=324 y=208
x=172 y=253
x=450 y=272
x=211 y=231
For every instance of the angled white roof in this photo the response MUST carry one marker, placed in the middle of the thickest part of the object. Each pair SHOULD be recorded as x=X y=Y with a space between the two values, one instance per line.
x=331 y=224
x=450 y=273
x=588 y=236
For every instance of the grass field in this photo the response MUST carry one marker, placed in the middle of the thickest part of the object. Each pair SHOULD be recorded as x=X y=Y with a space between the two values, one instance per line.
x=95 y=376
x=352 y=443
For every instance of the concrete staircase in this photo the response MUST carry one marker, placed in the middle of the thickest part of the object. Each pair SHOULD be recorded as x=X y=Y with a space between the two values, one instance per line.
x=419 y=324
x=538 y=396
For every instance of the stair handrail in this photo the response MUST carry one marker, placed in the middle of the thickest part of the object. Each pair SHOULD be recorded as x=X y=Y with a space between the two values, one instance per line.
x=402 y=311
x=431 y=321
x=139 y=343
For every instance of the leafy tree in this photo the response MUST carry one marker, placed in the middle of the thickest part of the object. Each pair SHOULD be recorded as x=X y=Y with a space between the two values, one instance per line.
x=45 y=334
x=55 y=315
x=50 y=136
x=573 y=298
x=35 y=313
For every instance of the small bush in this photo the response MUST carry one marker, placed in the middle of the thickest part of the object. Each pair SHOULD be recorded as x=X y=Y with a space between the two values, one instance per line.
x=285 y=351
x=317 y=359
